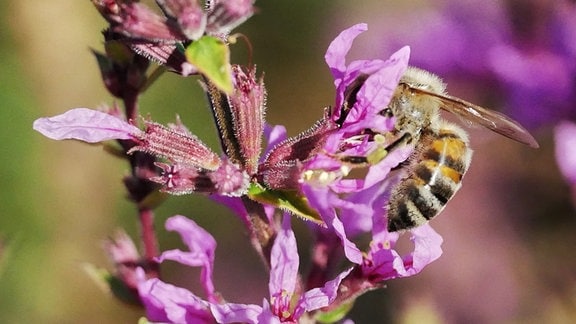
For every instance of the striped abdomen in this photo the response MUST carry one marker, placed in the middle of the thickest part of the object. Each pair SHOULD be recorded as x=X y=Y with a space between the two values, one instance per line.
x=434 y=174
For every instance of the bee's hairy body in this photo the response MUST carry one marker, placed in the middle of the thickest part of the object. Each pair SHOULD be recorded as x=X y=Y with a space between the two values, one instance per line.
x=441 y=154
x=440 y=158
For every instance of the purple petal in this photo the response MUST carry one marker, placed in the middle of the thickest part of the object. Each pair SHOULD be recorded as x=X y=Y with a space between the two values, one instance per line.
x=364 y=210
x=385 y=263
x=325 y=201
x=336 y=59
x=336 y=54
x=235 y=205
x=350 y=249
x=201 y=245
x=565 y=137
x=427 y=248
x=121 y=248
x=274 y=135
x=171 y=304
x=284 y=261
x=376 y=91
x=267 y=316
x=379 y=87
x=377 y=173
x=235 y=313
x=320 y=297
x=86 y=125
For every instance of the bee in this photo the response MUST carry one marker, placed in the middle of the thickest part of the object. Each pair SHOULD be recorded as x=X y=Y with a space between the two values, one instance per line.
x=441 y=154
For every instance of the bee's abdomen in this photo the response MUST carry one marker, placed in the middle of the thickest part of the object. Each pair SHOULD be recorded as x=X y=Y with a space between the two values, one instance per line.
x=440 y=160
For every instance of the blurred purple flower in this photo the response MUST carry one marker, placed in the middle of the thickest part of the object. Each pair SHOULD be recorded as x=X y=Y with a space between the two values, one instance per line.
x=201 y=247
x=122 y=251
x=538 y=69
x=286 y=304
x=525 y=48
x=565 y=137
x=166 y=303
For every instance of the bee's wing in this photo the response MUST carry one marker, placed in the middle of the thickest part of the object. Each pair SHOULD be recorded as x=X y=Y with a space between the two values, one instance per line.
x=490 y=119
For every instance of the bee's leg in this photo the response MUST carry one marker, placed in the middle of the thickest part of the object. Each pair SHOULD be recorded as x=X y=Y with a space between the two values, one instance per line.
x=403 y=140
x=378 y=154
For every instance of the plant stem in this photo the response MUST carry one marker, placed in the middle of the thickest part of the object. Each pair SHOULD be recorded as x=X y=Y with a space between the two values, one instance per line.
x=149 y=240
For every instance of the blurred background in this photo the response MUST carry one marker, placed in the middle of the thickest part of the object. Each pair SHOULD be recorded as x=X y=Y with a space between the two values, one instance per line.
x=509 y=235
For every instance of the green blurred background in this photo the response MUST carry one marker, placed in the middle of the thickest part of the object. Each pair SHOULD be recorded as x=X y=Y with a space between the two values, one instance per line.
x=509 y=235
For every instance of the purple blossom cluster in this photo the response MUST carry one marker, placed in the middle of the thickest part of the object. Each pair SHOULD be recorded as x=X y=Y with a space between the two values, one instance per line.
x=565 y=137
x=524 y=52
x=307 y=175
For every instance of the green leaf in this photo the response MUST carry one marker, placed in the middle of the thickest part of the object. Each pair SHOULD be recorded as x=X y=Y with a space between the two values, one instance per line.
x=108 y=282
x=290 y=200
x=211 y=56
x=334 y=315
x=153 y=199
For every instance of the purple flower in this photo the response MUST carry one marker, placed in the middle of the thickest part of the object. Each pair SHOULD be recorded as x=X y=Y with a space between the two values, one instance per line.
x=308 y=174
x=193 y=166
x=171 y=304
x=565 y=137
x=363 y=212
x=496 y=45
x=363 y=89
x=201 y=245
x=348 y=206
x=384 y=263
x=166 y=303
x=375 y=79
x=287 y=303
x=122 y=251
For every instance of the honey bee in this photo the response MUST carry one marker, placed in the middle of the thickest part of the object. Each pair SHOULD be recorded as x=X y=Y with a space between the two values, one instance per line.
x=441 y=154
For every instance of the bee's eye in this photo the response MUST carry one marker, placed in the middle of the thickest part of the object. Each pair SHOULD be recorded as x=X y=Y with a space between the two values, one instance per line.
x=386 y=112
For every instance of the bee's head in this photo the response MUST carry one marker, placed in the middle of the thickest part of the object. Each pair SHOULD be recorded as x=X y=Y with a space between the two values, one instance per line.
x=424 y=80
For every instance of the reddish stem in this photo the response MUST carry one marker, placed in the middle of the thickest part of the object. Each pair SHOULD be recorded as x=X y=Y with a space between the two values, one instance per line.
x=131 y=106
x=145 y=215
x=149 y=241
